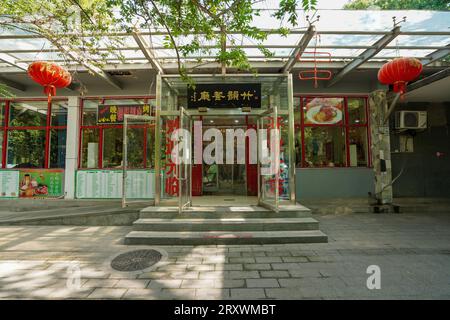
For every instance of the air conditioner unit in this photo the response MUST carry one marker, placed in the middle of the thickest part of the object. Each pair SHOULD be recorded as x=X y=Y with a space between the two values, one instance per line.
x=411 y=120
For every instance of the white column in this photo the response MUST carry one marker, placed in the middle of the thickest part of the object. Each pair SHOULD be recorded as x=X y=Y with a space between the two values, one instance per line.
x=72 y=142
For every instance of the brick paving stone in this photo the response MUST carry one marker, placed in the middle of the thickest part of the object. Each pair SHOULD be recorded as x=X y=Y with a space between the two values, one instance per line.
x=140 y=294
x=242 y=260
x=241 y=274
x=278 y=253
x=212 y=294
x=185 y=275
x=164 y=283
x=194 y=283
x=201 y=267
x=229 y=267
x=295 y=259
x=246 y=294
x=178 y=294
x=152 y=275
x=135 y=284
x=100 y=283
x=107 y=293
x=286 y=266
x=229 y=283
x=262 y=283
x=275 y=274
x=257 y=266
x=268 y=260
x=211 y=275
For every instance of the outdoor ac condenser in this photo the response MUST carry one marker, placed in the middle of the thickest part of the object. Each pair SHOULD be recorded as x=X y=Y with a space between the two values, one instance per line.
x=411 y=120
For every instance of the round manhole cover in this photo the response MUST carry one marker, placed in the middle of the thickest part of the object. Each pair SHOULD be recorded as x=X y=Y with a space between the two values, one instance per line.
x=136 y=260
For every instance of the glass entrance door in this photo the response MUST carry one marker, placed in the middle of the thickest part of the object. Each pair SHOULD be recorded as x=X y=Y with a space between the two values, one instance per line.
x=269 y=159
x=184 y=165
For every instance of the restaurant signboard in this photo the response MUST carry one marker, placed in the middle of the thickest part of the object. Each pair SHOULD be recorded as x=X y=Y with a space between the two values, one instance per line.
x=224 y=95
x=114 y=114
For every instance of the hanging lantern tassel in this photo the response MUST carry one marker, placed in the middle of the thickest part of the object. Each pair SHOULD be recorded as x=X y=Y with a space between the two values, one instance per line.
x=399 y=72
x=50 y=91
x=50 y=76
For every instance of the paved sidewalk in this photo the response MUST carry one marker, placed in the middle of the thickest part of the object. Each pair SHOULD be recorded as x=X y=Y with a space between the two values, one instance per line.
x=412 y=251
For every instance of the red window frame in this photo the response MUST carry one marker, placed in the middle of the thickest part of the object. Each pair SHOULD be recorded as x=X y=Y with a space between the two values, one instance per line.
x=344 y=124
x=48 y=127
x=101 y=127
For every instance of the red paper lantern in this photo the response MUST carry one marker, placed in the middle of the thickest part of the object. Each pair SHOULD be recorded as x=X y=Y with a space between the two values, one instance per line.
x=399 y=72
x=49 y=75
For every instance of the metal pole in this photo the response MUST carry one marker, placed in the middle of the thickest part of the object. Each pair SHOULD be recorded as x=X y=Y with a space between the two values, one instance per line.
x=291 y=139
x=158 y=129
x=124 y=161
x=277 y=156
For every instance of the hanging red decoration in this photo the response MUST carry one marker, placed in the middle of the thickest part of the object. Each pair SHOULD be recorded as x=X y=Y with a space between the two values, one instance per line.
x=50 y=76
x=399 y=72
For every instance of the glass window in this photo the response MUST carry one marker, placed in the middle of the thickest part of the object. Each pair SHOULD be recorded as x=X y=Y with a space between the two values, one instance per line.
x=1 y=147
x=136 y=147
x=90 y=112
x=2 y=114
x=89 y=148
x=59 y=113
x=356 y=110
x=324 y=147
x=58 y=148
x=25 y=114
x=357 y=146
x=151 y=147
x=297 y=111
x=298 y=148
x=112 y=147
x=323 y=111
x=26 y=149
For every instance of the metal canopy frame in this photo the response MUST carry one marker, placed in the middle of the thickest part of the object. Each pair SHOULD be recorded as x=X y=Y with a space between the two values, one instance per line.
x=149 y=57
x=366 y=55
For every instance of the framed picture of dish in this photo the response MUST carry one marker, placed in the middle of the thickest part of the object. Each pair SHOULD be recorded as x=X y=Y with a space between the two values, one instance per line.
x=324 y=111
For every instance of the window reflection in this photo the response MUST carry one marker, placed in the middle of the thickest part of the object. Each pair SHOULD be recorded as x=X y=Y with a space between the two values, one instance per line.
x=324 y=147
x=27 y=114
x=26 y=149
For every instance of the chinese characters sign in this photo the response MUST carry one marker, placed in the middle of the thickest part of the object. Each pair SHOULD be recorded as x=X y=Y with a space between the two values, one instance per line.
x=111 y=114
x=172 y=183
x=225 y=95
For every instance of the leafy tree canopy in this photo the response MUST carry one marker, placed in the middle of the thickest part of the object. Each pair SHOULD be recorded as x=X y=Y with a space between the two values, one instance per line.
x=399 y=4
x=75 y=27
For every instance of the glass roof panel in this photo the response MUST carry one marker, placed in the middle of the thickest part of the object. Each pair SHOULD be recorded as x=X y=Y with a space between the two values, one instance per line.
x=403 y=53
x=346 y=21
x=362 y=20
x=407 y=40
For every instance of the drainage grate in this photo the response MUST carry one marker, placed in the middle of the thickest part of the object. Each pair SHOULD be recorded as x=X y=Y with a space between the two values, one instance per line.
x=136 y=260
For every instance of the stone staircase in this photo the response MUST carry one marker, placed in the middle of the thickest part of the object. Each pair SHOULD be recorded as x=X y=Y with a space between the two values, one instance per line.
x=225 y=225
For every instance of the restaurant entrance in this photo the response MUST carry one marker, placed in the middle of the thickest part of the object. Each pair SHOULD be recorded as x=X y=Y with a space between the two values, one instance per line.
x=222 y=179
x=234 y=136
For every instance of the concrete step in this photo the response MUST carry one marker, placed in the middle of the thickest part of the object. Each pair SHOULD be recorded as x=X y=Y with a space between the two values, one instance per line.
x=221 y=237
x=206 y=212
x=226 y=224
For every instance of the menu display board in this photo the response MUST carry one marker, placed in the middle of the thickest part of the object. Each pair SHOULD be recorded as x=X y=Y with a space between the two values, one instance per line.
x=41 y=183
x=107 y=184
x=9 y=183
x=225 y=95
